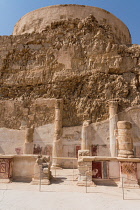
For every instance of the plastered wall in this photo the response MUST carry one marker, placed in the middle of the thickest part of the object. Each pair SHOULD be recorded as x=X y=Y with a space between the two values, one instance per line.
x=11 y=141
x=43 y=139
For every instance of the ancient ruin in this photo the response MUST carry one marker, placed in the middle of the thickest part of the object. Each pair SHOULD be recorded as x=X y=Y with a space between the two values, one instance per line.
x=42 y=170
x=70 y=81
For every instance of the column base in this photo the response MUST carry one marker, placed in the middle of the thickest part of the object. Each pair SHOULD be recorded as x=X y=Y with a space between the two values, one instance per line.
x=125 y=156
x=56 y=167
x=43 y=181
x=5 y=181
x=88 y=183
x=126 y=153
x=128 y=185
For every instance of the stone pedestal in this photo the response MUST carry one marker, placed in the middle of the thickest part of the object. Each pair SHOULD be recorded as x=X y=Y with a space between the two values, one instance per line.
x=125 y=140
x=128 y=175
x=42 y=171
x=57 y=142
x=84 y=170
x=85 y=144
x=113 y=118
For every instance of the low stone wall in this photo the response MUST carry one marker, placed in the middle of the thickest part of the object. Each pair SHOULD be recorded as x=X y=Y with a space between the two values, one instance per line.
x=108 y=170
x=25 y=168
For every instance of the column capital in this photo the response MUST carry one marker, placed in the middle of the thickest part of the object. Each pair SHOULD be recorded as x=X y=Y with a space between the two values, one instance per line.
x=113 y=103
x=124 y=125
x=113 y=108
x=86 y=123
x=58 y=103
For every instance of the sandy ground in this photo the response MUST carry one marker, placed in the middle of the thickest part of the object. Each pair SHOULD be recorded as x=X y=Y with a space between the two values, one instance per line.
x=64 y=194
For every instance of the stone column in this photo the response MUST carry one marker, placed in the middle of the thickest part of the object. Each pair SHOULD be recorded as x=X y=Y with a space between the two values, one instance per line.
x=85 y=142
x=84 y=169
x=57 y=142
x=128 y=170
x=125 y=140
x=28 y=145
x=113 y=118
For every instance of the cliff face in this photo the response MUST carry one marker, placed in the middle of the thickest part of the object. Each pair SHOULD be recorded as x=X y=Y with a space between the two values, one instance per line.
x=80 y=61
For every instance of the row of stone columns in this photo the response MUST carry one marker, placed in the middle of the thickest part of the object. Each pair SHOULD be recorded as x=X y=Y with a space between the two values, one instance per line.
x=121 y=145
x=121 y=142
x=123 y=128
x=57 y=142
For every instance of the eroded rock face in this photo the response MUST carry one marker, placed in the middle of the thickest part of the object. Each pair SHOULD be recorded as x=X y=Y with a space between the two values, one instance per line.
x=80 y=61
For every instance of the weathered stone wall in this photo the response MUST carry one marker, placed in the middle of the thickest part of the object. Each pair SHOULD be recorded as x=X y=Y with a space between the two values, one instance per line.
x=80 y=62
x=23 y=112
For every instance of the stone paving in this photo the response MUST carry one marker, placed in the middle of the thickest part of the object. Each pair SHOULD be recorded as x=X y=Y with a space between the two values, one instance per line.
x=64 y=194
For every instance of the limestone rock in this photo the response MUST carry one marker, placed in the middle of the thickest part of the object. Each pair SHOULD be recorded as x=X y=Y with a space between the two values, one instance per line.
x=80 y=60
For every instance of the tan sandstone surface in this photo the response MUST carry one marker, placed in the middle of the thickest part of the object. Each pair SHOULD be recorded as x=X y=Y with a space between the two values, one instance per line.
x=79 y=61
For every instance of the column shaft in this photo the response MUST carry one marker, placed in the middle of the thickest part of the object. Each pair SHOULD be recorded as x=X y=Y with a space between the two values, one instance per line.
x=57 y=142
x=28 y=145
x=113 y=118
x=85 y=144
x=125 y=140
